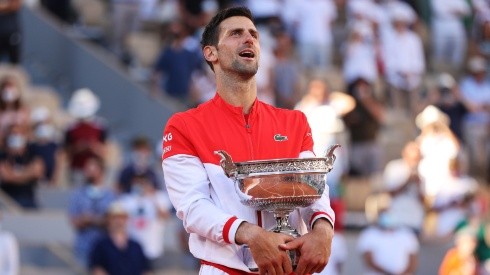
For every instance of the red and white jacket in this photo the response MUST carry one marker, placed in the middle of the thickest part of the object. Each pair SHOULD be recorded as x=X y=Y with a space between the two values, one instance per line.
x=205 y=199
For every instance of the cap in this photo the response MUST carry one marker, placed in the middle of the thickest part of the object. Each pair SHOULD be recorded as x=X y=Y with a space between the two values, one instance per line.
x=116 y=208
x=402 y=13
x=83 y=104
x=431 y=114
x=445 y=80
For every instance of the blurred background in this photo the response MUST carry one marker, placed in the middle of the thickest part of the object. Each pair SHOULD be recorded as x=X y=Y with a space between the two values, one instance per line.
x=86 y=87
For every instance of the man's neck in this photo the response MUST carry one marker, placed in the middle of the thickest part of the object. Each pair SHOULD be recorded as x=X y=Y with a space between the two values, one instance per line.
x=237 y=92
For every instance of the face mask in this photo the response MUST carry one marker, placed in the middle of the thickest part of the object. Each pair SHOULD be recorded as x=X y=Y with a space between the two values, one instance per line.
x=386 y=221
x=16 y=141
x=45 y=131
x=140 y=160
x=10 y=94
x=94 y=192
x=137 y=189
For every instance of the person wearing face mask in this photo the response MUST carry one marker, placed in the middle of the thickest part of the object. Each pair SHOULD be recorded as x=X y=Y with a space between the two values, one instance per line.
x=148 y=208
x=386 y=247
x=12 y=109
x=140 y=163
x=87 y=207
x=20 y=168
x=45 y=145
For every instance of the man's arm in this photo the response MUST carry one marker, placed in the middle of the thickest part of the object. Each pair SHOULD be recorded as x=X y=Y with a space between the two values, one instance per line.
x=368 y=259
x=412 y=265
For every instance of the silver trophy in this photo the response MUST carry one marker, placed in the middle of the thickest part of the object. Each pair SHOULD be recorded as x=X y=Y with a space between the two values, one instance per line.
x=279 y=186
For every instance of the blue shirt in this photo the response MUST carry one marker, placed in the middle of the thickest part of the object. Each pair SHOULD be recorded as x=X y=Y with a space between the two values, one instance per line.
x=86 y=200
x=115 y=261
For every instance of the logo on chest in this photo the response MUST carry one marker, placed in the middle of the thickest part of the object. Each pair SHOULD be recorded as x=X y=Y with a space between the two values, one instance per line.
x=279 y=137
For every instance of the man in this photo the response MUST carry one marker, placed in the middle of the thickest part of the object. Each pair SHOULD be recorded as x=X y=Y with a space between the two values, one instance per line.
x=10 y=30
x=235 y=121
x=88 y=205
x=116 y=252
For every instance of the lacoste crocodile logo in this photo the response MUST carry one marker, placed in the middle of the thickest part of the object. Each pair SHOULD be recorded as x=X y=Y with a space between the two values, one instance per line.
x=279 y=137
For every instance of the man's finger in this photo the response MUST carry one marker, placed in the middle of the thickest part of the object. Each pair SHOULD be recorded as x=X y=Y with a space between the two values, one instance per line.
x=286 y=264
x=293 y=244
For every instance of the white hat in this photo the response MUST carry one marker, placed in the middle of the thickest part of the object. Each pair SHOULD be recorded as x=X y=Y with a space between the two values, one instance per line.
x=116 y=208
x=445 y=80
x=402 y=12
x=431 y=114
x=477 y=64
x=83 y=104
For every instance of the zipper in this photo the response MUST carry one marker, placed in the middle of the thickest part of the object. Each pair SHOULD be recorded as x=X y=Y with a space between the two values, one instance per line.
x=249 y=140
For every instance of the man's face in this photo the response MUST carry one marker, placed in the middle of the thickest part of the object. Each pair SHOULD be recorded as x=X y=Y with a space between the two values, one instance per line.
x=238 y=48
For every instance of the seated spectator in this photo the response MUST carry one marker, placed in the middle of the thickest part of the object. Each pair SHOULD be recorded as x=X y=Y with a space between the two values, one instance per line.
x=339 y=253
x=148 y=208
x=12 y=108
x=402 y=181
x=20 y=169
x=87 y=135
x=45 y=145
x=461 y=258
x=87 y=208
x=116 y=253
x=9 y=252
x=388 y=248
x=140 y=163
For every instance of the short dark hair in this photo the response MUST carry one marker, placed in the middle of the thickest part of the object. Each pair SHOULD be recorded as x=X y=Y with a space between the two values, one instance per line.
x=139 y=142
x=211 y=32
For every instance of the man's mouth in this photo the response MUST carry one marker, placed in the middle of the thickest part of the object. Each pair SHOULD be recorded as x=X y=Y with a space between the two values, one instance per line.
x=247 y=54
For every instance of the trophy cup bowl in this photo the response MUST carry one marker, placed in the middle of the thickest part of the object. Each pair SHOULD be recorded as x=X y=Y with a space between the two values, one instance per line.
x=279 y=186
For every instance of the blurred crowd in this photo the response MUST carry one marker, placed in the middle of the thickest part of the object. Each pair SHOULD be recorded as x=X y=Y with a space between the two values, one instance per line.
x=405 y=92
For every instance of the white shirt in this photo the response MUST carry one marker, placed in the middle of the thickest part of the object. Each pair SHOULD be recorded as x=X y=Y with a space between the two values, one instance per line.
x=261 y=8
x=145 y=225
x=395 y=175
x=403 y=53
x=9 y=254
x=313 y=19
x=449 y=13
x=390 y=249
x=476 y=93
x=360 y=61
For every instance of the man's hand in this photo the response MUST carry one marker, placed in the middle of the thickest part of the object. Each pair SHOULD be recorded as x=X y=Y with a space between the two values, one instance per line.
x=314 y=248
x=264 y=246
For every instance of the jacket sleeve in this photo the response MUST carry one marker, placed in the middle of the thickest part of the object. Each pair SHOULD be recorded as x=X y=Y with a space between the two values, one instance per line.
x=188 y=188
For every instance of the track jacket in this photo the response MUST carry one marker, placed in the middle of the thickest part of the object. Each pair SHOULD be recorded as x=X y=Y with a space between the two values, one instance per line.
x=205 y=199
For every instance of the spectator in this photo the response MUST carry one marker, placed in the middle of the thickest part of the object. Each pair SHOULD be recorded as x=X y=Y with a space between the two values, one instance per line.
x=480 y=226
x=176 y=64
x=125 y=16
x=140 y=164
x=87 y=208
x=403 y=71
x=461 y=259
x=364 y=123
x=448 y=32
x=116 y=253
x=360 y=55
x=449 y=100
x=402 y=181
x=388 y=248
x=286 y=73
x=475 y=89
x=46 y=146
x=12 y=109
x=312 y=21
x=148 y=208
x=20 y=169
x=9 y=252
x=87 y=135
x=10 y=30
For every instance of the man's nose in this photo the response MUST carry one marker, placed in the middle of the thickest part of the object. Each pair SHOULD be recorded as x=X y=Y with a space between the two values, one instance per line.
x=249 y=39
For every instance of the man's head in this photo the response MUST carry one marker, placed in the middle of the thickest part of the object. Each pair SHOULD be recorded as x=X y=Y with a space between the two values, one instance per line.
x=231 y=37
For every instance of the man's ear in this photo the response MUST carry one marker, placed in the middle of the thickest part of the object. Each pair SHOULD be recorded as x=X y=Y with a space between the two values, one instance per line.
x=210 y=53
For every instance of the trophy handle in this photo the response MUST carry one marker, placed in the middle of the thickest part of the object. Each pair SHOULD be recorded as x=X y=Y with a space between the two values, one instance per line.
x=227 y=164
x=330 y=156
